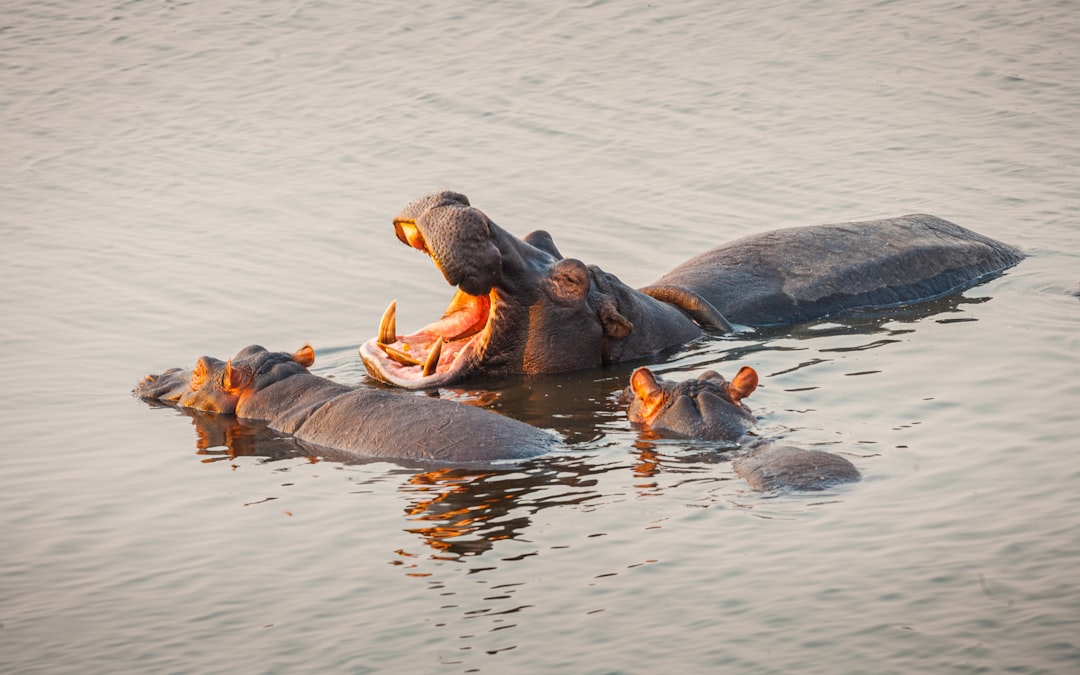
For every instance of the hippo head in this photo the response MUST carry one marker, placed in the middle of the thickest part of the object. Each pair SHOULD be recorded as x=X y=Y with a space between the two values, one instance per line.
x=218 y=386
x=708 y=407
x=520 y=307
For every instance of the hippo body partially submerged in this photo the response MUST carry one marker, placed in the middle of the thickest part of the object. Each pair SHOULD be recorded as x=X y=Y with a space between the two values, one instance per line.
x=711 y=408
x=800 y=274
x=522 y=308
x=277 y=389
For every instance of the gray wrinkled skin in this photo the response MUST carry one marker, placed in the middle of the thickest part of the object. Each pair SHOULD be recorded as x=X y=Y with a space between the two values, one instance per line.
x=550 y=314
x=461 y=239
x=701 y=408
x=697 y=408
x=365 y=422
x=773 y=466
x=803 y=273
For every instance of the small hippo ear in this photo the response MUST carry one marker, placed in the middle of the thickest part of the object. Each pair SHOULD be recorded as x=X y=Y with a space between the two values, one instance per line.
x=603 y=300
x=199 y=373
x=644 y=385
x=616 y=326
x=649 y=396
x=237 y=377
x=543 y=241
x=305 y=356
x=744 y=384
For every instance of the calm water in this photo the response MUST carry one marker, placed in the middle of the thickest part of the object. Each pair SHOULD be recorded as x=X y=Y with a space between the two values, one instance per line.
x=180 y=179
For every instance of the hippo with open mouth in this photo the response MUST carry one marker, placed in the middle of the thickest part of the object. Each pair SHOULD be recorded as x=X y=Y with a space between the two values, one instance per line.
x=711 y=408
x=277 y=389
x=521 y=307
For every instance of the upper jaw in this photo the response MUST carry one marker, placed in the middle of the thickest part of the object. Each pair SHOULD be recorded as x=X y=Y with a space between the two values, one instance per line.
x=487 y=266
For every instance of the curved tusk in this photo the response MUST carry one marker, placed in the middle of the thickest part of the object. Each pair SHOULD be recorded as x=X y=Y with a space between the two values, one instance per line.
x=388 y=325
x=432 y=362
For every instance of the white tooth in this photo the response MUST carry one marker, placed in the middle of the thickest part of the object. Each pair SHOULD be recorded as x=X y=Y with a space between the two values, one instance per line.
x=433 y=357
x=388 y=325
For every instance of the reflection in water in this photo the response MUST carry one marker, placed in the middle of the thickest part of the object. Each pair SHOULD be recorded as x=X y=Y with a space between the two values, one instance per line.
x=457 y=512
x=224 y=437
x=648 y=461
x=461 y=513
x=861 y=348
x=713 y=352
x=881 y=321
x=651 y=463
x=578 y=405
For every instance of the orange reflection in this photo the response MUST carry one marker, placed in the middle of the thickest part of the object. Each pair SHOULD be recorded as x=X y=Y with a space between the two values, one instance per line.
x=457 y=503
x=648 y=460
x=455 y=512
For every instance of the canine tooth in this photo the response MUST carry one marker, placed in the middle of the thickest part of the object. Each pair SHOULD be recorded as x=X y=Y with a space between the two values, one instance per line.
x=432 y=361
x=388 y=325
x=399 y=356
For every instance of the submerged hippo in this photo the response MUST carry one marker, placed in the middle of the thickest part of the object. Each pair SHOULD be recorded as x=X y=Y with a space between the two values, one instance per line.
x=711 y=408
x=276 y=388
x=520 y=307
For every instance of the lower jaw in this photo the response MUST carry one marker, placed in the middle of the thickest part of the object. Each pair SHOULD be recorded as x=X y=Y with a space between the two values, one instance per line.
x=381 y=367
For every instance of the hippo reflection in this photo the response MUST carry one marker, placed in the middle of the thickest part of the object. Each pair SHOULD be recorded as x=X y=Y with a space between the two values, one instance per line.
x=521 y=307
x=455 y=511
x=711 y=408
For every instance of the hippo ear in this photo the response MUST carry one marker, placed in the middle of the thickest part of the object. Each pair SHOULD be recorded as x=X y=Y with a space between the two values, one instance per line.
x=644 y=385
x=237 y=378
x=543 y=241
x=616 y=326
x=603 y=300
x=712 y=376
x=199 y=373
x=744 y=384
x=305 y=356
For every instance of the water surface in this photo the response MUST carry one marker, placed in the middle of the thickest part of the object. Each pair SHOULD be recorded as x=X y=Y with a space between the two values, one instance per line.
x=182 y=179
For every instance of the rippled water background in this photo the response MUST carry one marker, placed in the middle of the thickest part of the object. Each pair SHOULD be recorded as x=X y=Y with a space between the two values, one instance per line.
x=182 y=178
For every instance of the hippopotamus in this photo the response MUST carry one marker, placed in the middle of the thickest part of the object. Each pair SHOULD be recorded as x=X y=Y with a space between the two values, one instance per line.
x=277 y=389
x=711 y=408
x=521 y=308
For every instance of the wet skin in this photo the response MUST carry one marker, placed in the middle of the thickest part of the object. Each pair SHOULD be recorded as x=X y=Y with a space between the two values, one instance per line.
x=277 y=389
x=711 y=408
x=521 y=307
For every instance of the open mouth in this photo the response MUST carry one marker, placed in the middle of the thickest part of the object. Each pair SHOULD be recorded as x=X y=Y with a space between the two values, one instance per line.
x=437 y=353
x=442 y=351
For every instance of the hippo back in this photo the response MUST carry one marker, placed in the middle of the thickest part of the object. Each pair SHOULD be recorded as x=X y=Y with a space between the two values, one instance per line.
x=391 y=424
x=799 y=274
x=774 y=466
